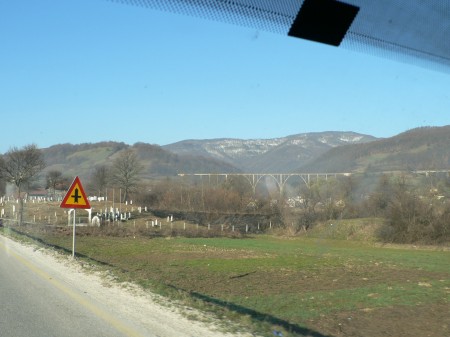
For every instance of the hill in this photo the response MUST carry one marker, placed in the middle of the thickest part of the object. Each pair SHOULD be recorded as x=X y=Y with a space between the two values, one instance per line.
x=280 y=155
x=81 y=159
x=417 y=149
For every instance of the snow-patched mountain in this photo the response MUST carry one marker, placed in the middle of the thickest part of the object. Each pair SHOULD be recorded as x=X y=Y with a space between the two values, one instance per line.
x=277 y=155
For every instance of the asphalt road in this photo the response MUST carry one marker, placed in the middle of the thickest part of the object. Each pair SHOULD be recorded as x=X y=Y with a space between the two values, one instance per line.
x=34 y=302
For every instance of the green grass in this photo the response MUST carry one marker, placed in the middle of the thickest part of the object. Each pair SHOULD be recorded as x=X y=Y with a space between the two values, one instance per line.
x=273 y=281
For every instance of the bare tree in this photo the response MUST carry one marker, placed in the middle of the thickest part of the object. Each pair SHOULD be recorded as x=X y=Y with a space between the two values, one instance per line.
x=99 y=179
x=310 y=199
x=126 y=171
x=2 y=185
x=54 y=179
x=20 y=167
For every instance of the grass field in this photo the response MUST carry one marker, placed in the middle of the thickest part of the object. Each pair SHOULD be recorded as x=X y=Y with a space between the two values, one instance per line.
x=293 y=285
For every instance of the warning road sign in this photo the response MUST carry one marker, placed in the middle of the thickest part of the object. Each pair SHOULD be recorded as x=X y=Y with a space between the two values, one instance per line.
x=75 y=197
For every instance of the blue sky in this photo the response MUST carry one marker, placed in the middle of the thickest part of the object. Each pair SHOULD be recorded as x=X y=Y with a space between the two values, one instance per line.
x=83 y=71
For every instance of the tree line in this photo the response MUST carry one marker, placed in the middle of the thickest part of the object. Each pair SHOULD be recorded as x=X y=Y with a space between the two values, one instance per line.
x=21 y=167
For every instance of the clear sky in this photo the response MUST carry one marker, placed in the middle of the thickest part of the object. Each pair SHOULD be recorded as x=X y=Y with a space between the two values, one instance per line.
x=84 y=71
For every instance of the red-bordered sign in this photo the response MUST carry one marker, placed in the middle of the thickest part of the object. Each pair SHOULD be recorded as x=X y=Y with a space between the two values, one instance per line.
x=75 y=197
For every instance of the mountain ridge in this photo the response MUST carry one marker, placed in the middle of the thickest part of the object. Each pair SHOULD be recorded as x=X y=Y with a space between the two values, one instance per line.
x=282 y=154
x=416 y=149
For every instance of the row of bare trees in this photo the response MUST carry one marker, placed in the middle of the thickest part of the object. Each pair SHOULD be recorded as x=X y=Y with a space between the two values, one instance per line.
x=414 y=209
x=22 y=166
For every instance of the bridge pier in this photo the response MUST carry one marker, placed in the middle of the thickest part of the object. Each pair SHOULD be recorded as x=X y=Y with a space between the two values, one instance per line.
x=280 y=179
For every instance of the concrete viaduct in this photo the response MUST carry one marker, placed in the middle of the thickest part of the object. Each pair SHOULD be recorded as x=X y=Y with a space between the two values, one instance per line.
x=281 y=178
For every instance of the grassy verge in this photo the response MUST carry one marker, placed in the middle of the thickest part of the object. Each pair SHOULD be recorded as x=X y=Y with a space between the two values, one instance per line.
x=297 y=286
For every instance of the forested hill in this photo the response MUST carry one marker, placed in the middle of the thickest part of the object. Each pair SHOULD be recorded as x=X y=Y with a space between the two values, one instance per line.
x=417 y=149
x=82 y=159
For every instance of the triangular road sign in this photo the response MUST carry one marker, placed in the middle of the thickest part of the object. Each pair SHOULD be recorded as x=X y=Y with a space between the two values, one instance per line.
x=75 y=197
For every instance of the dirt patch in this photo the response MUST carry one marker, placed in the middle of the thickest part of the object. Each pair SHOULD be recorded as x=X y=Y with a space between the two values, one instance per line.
x=266 y=283
x=425 y=321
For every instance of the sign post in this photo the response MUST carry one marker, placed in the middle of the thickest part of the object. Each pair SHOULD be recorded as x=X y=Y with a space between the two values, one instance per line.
x=75 y=198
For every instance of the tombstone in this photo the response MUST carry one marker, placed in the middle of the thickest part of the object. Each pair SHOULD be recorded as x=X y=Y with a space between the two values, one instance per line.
x=96 y=221
x=145 y=208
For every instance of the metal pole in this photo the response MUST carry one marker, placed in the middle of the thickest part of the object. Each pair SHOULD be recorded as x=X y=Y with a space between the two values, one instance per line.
x=114 y=211
x=74 y=226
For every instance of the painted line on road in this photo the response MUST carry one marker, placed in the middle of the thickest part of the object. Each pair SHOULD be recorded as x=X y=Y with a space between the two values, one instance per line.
x=108 y=318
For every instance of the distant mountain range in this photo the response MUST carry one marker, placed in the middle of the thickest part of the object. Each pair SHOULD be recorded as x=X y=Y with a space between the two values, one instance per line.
x=278 y=155
x=422 y=148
